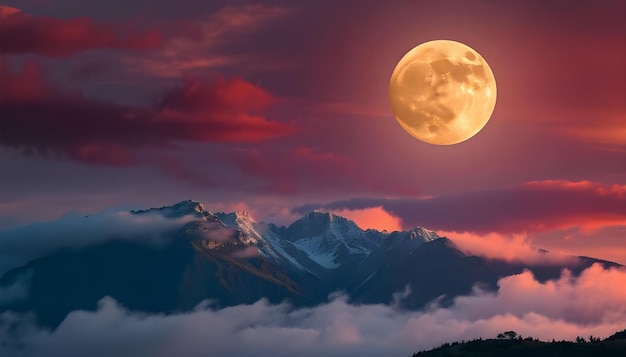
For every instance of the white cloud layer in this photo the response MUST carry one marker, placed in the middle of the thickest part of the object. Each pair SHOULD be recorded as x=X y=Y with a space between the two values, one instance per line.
x=591 y=304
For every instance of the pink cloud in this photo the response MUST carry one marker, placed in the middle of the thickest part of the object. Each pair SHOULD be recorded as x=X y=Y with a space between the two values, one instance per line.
x=514 y=248
x=595 y=297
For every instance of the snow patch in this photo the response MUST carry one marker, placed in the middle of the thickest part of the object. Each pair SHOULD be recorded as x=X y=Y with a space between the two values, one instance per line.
x=312 y=247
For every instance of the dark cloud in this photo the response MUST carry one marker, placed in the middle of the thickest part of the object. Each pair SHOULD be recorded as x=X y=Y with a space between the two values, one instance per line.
x=531 y=207
x=554 y=309
x=42 y=120
x=196 y=44
x=22 y=33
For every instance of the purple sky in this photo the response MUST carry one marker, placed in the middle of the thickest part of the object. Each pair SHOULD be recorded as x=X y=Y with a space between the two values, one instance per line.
x=270 y=106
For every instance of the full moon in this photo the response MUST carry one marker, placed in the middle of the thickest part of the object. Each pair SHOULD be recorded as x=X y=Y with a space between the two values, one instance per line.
x=442 y=92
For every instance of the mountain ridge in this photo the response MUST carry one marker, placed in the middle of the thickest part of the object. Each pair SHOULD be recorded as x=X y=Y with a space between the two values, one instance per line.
x=231 y=259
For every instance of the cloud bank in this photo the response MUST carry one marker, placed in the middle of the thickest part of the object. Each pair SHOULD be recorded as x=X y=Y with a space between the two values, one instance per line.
x=591 y=304
x=536 y=206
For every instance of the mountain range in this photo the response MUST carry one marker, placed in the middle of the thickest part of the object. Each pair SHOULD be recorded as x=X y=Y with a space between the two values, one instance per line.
x=227 y=259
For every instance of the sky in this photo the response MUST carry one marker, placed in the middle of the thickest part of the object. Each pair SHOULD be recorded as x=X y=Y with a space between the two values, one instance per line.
x=281 y=107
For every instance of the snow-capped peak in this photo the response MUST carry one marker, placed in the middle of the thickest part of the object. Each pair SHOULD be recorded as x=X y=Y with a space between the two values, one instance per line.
x=329 y=239
x=420 y=232
x=316 y=223
x=243 y=222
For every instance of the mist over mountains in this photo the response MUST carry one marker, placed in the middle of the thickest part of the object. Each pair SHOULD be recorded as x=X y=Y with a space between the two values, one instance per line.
x=171 y=259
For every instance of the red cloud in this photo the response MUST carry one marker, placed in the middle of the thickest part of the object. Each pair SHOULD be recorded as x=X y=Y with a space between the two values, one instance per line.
x=232 y=107
x=22 y=33
x=39 y=119
x=226 y=96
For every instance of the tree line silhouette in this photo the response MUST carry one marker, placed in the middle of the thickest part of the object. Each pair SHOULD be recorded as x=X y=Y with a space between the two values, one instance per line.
x=510 y=343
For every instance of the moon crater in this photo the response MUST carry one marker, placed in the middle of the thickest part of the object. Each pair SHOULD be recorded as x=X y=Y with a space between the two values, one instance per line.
x=442 y=92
